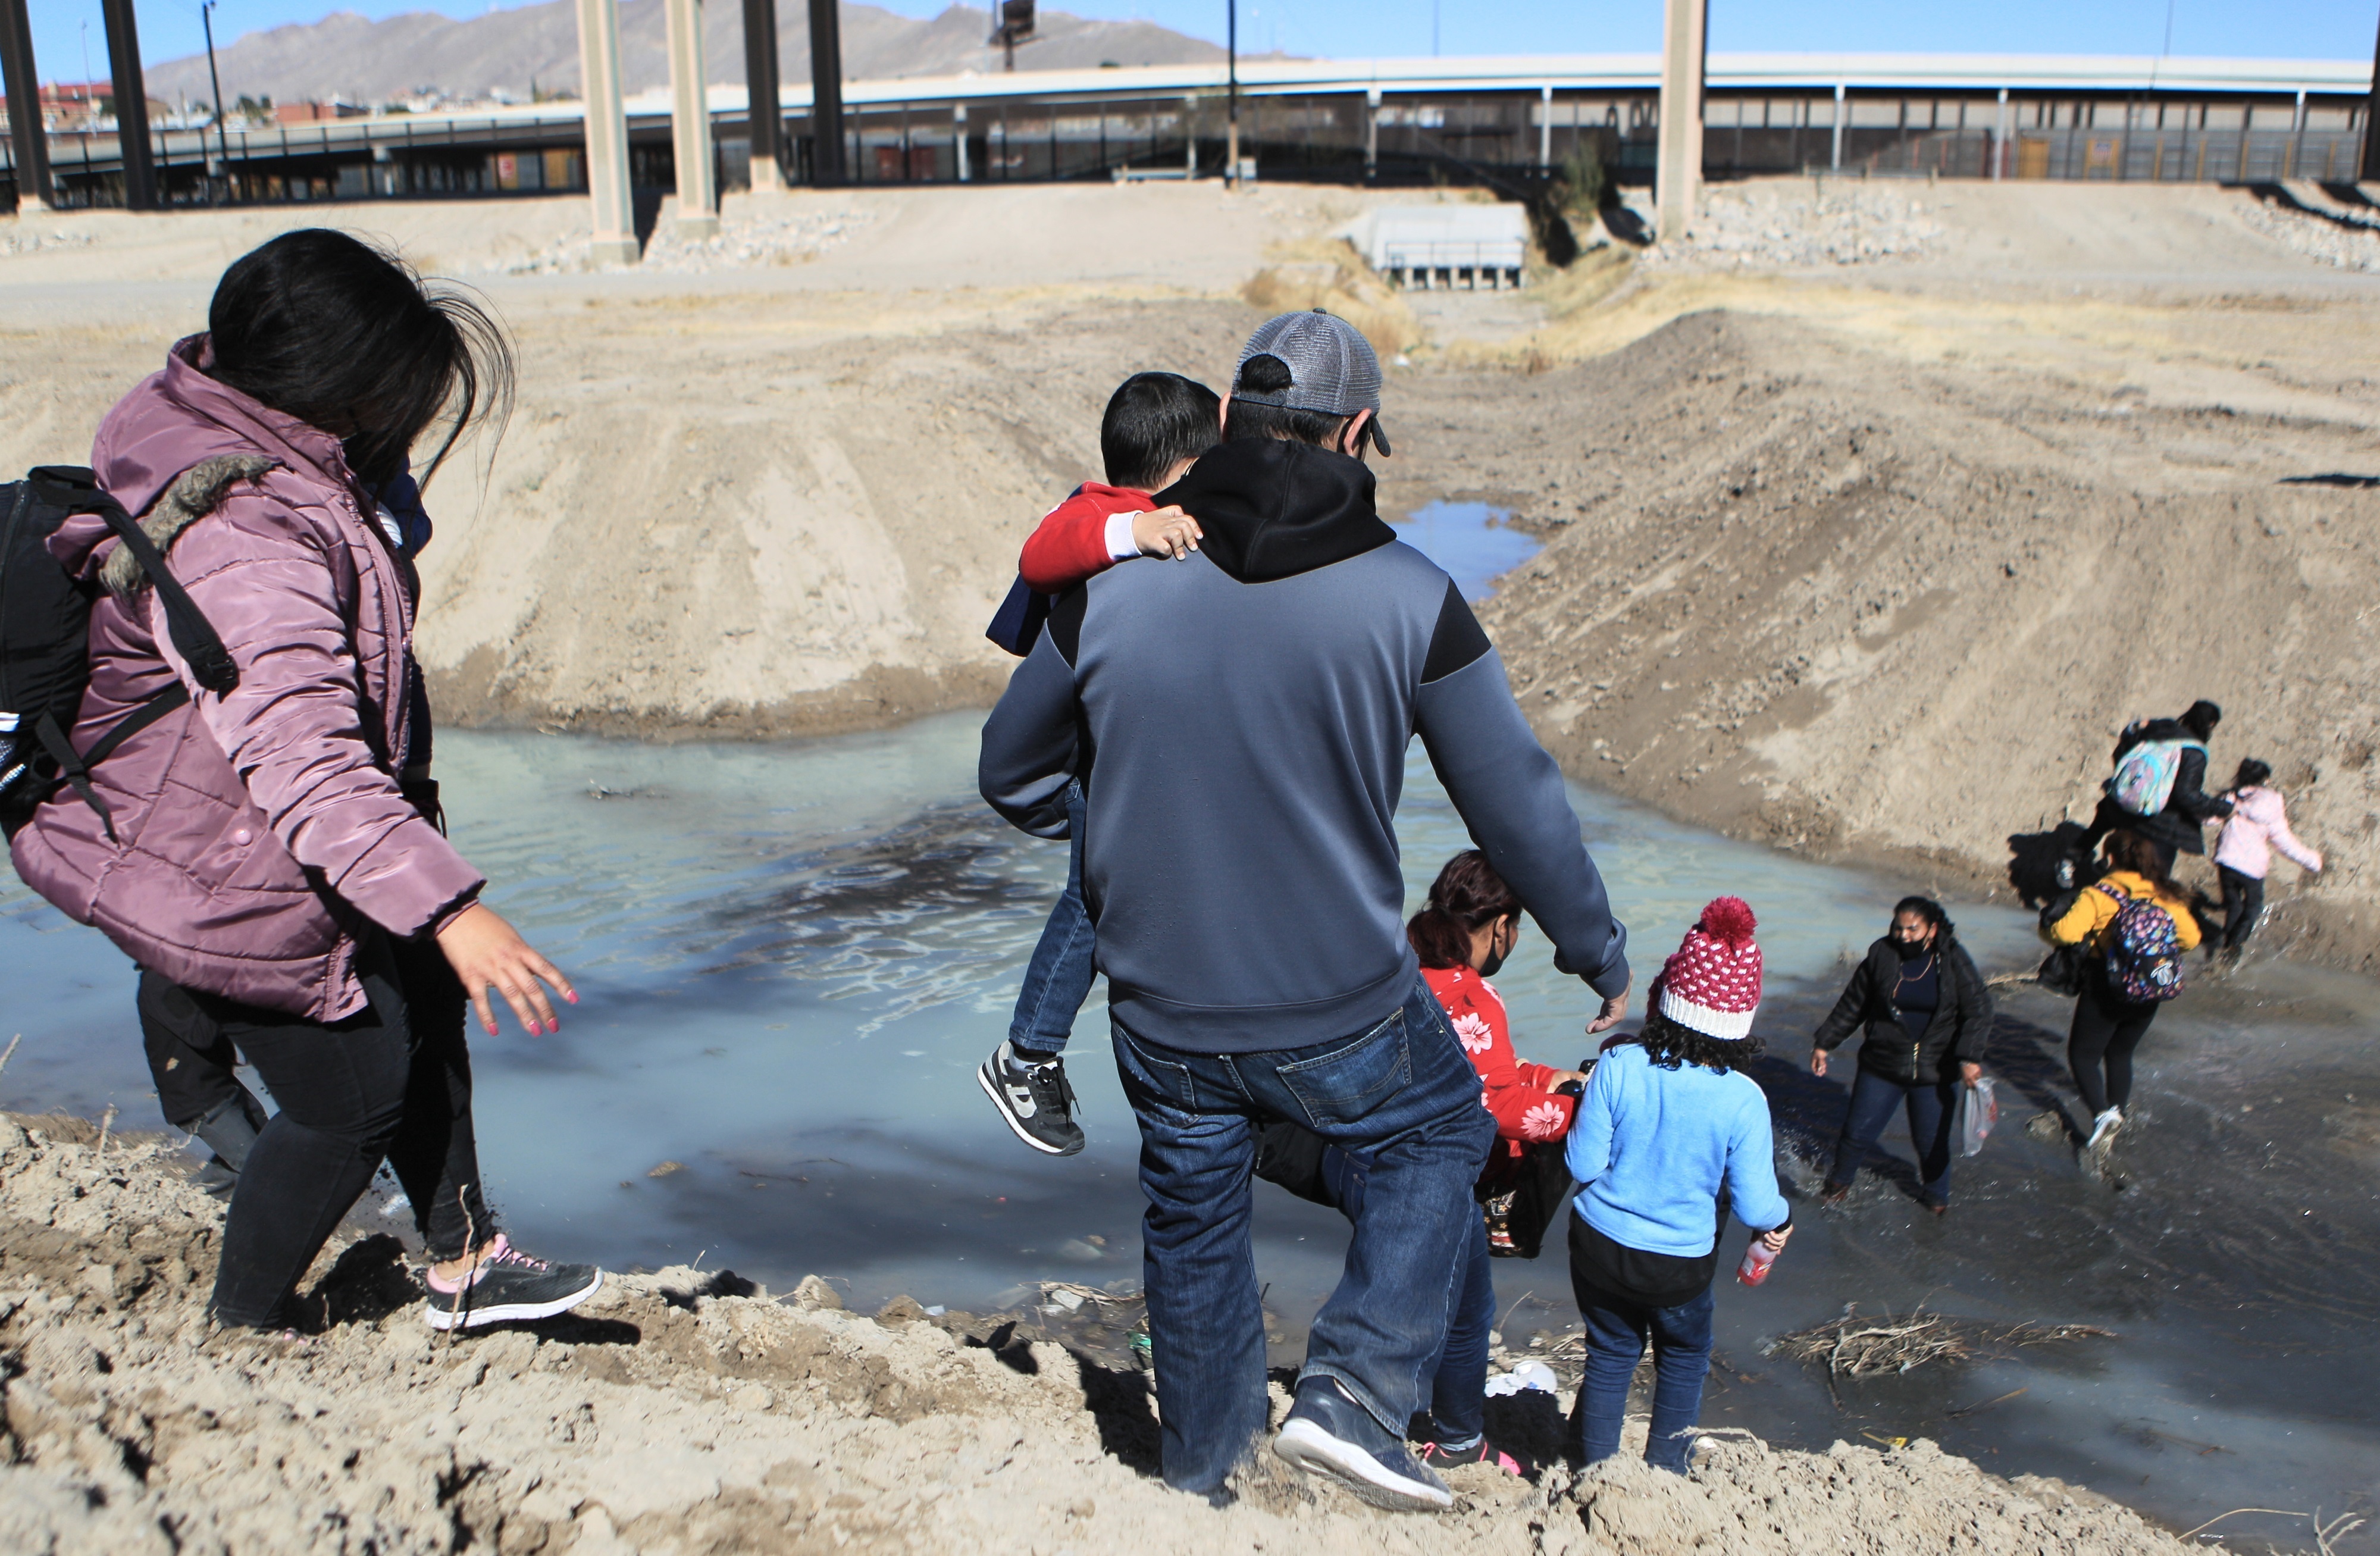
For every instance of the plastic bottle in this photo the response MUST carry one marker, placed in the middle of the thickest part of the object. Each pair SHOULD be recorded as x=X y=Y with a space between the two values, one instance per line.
x=1756 y=1261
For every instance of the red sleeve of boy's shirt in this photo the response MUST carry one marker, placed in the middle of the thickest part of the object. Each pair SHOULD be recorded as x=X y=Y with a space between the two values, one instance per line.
x=1511 y=1091
x=1070 y=544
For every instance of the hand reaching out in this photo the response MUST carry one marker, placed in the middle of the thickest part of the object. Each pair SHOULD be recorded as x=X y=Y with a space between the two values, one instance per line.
x=1167 y=532
x=487 y=953
x=1615 y=1011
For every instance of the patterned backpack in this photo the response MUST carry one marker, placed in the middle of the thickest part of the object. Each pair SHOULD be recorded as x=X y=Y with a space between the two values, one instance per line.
x=2144 y=778
x=2143 y=949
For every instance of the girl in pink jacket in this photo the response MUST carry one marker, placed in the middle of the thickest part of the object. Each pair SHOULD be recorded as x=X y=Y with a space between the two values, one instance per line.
x=270 y=853
x=2244 y=852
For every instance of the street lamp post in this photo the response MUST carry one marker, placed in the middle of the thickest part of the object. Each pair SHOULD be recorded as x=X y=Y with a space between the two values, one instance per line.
x=1232 y=121
x=223 y=137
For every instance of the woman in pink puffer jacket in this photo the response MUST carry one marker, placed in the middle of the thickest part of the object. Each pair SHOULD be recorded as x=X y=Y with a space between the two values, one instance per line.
x=271 y=855
x=2244 y=852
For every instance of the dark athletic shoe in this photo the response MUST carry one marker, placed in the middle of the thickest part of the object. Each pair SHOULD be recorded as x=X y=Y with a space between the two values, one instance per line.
x=1326 y=1433
x=1437 y=1455
x=1035 y=1099
x=508 y=1287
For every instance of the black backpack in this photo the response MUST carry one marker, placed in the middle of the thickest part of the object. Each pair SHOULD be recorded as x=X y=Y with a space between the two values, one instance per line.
x=45 y=642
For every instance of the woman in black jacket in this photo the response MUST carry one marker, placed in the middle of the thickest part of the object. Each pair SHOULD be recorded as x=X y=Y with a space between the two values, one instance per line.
x=2181 y=827
x=1924 y=1006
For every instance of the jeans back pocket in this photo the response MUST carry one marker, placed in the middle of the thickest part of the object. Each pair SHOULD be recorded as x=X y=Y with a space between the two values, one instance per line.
x=1342 y=1086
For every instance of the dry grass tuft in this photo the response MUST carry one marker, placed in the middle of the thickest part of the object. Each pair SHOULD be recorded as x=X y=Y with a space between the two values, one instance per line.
x=1858 y=1348
x=1328 y=274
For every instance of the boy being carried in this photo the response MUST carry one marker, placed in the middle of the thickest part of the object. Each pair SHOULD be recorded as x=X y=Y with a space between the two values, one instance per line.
x=1156 y=426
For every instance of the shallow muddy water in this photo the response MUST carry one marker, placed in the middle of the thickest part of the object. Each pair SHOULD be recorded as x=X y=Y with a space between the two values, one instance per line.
x=792 y=957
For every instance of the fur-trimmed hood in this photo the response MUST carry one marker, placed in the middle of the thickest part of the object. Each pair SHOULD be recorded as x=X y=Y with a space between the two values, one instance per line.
x=195 y=493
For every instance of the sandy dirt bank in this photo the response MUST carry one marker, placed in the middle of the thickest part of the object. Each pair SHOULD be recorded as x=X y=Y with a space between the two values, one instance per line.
x=667 y=1416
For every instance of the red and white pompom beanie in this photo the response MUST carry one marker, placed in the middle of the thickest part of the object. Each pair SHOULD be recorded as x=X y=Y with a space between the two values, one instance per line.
x=1713 y=982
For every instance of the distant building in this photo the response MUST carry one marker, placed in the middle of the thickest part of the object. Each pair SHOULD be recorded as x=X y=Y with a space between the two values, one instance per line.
x=315 y=113
x=69 y=104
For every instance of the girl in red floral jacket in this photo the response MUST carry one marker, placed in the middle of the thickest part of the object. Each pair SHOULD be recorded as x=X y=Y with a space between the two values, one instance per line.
x=1462 y=935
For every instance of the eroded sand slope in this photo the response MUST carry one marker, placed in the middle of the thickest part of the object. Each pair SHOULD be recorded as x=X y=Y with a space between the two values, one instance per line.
x=664 y=1418
x=1840 y=602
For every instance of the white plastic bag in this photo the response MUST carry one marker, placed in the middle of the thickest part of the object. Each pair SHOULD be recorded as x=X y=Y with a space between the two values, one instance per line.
x=1979 y=1108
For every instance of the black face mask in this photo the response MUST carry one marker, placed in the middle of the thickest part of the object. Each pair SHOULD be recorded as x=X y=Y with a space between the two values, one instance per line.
x=1911 y=950
x=1493 y=965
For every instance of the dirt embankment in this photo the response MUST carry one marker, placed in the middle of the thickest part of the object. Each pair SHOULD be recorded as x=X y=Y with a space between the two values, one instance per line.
x=668 y=1416
x=728 y=517
x=1848 y=603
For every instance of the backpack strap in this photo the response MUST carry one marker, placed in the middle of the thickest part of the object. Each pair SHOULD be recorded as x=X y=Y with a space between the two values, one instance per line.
x=75 y=767
x=77 y=490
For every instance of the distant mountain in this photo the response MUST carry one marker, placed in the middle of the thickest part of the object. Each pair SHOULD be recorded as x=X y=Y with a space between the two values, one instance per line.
x=536 y=47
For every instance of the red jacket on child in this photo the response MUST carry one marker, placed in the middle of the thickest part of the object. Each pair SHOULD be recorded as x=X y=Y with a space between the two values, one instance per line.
x=1512 y=1090
x=1074 y=541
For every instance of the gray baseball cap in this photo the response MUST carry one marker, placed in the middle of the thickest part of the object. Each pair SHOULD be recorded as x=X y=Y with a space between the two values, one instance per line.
x=1331 y=367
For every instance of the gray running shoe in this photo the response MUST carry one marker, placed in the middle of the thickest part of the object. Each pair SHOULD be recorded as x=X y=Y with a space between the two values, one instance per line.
x=1033 y=1097
x=1328 y=1433
x=508 y=1287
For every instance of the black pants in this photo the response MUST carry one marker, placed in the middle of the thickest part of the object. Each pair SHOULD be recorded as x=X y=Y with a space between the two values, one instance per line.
x=2111 y=817
x=2107 y=1029
x=2243 y=902
x=392 y=1082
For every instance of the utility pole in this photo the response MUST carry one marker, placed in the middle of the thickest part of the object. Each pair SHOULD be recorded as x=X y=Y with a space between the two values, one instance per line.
x=222 y=136
x=131 y=106
x=1232 y=124
x=826 y=94
x=24 y=87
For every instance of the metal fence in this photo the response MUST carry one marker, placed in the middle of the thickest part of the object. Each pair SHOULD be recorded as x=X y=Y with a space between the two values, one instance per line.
x=1412 y=137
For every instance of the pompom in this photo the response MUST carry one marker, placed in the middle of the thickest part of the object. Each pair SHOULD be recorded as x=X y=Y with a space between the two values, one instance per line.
x=1730 y=919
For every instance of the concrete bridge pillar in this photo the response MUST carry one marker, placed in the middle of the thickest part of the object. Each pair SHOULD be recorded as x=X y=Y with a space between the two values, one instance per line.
x=607 y=132
x=1678 y=175
x=33 y=147
x=697 y=172
x=764 y=111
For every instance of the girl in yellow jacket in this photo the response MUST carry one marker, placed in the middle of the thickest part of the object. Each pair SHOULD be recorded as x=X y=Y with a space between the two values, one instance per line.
x=2108 y=1026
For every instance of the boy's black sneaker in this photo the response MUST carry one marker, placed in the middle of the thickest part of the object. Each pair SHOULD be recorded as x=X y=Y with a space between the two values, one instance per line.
x=1033 y=1096
x=508 y=1287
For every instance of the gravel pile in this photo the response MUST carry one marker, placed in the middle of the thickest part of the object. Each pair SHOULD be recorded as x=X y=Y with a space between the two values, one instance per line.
x=2350 y=242
x=742 y=243
x=1826 y=222
x=35 y=240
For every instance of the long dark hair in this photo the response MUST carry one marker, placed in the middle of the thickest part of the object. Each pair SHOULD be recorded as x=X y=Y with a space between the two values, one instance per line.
x=1468 y=896
x=1929 y=911
x=2129 y=850
x=2251 y=773
x=325 y=328
x=1671 y=1043
x=2201 y=718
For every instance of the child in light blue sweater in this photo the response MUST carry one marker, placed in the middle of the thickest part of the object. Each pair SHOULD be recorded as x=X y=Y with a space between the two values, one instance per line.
x=1669 y=1122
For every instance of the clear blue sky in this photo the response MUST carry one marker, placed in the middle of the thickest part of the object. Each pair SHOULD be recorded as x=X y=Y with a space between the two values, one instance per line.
x=2266 y=28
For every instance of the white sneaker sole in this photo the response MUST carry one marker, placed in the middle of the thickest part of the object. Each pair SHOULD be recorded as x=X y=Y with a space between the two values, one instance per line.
x=1318 y=1452
x=443 y=1318
x=1015 y=1125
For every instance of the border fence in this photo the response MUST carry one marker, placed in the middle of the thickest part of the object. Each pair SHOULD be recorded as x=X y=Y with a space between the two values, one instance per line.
x=1351 y=130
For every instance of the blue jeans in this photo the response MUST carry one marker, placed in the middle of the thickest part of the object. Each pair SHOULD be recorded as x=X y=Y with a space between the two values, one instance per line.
x=1932 y=1109
x=1403 y=1097
x=1616 y=1332
x=1457 y=1390
x=1058 y=978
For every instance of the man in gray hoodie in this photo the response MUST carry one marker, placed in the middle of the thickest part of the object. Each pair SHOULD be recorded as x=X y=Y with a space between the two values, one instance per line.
x=1239 y=724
